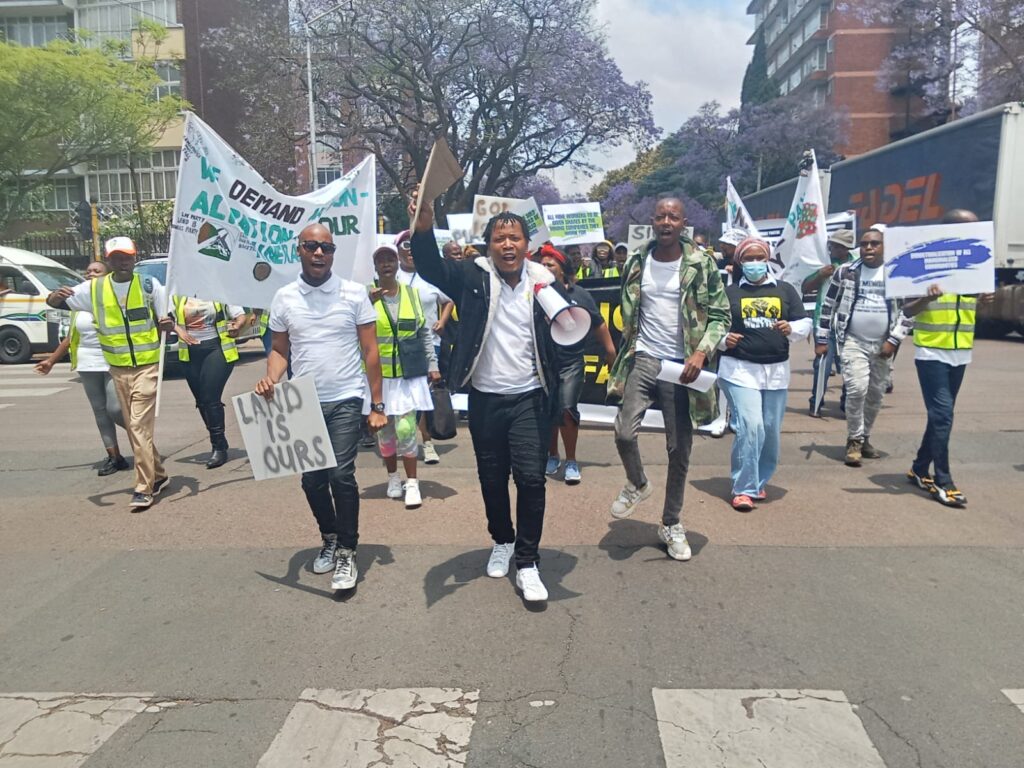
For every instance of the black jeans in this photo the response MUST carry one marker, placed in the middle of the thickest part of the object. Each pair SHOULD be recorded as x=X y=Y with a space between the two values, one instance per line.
x=333 y=494
x=511 y=433
x=940 y=384
x=207 y=372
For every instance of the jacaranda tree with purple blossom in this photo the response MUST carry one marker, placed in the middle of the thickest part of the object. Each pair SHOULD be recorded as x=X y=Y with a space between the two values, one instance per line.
x=492 y=76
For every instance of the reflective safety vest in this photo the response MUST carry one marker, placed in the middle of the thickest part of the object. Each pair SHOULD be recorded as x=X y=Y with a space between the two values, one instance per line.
x=227 y=344
x=129 y=337
x=75 y=338
x=262 y=320
x=410 y=318
x=583 y=272
x=610 y=272
x=947 y=323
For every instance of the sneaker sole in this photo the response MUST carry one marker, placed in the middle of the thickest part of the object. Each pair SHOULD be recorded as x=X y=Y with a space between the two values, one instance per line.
x=850 y=463
x=573 y=482
x=417 y=505
x=339 y=587
x=680 y=558
x=628 y=512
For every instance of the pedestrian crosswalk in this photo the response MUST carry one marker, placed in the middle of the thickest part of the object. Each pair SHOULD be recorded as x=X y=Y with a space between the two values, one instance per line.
x=21 y=381
x=432 y=727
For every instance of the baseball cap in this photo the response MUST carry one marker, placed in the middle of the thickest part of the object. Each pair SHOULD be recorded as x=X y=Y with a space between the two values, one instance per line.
x=733 y=236
x=385 y=249
x=119 y=245
x=843 y=237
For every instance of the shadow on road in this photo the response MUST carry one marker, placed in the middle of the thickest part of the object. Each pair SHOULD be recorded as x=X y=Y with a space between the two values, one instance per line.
x=625 y=538
x=446 y=578
x=834 y=452
x=890 y=485
x=429 y=489
x=302 y=563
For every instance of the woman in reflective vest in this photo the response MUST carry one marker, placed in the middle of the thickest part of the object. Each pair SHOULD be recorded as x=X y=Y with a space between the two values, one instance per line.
x=407 y=362
x=83 y=344
x=206 y=349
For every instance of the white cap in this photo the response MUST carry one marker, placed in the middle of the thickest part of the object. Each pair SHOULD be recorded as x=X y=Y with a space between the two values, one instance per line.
x=119 y=245
x=733 y=236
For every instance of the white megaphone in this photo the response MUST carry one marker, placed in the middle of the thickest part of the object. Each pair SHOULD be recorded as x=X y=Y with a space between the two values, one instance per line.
x=569 y=322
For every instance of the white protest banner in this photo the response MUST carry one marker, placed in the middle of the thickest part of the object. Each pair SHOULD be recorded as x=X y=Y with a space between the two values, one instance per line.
x=574 y=223
x=234 y=237
x=638 y=236
x=485 y=207
x=770 y=230
x=461 y=227
x=441 y=172
x=443 y=237
x=803 y=245
x=287 y=434
x=736 y=214
x=959 y=258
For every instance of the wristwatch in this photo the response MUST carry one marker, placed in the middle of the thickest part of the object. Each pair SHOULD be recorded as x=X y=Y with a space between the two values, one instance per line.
x=377 y=407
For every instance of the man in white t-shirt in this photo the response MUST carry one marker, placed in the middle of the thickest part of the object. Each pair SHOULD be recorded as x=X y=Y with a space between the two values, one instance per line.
x=674 y=308
x=868 y=329
x=329 y=327
x=130 y=315
x=437 y=309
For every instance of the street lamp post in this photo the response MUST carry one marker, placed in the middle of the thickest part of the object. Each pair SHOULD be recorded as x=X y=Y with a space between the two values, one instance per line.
x=313 y=172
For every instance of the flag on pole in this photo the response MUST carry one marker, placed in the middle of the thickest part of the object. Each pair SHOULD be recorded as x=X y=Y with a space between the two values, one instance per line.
x=803 y=246
x=234 y=238
x=736 y=213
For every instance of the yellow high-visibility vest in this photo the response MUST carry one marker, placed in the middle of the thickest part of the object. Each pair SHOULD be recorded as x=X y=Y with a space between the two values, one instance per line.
x=227 y=344
x=75 y=339
x=410 y=318
x=610 y=272
x=947 y=323
x=130 y=337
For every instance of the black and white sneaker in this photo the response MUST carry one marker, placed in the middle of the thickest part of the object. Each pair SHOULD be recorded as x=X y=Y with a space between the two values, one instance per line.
x=140 y=501
x=324 y=561
x=159 y=485
x=346 y=574
x=111 y=465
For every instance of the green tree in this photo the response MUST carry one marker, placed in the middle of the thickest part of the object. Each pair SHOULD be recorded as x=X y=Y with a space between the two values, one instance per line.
x=758 y=86
x=66 y=103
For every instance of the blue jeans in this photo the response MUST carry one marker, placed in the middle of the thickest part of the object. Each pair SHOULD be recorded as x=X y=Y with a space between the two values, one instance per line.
x=755 y=450
x=333 y=494
x=940 y=384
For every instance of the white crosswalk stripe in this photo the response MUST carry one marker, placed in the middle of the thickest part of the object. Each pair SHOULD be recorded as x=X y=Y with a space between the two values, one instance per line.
x=749 y=729
x=421 y=727
x=18 y=381
x=1016 y=697
x=61 y=730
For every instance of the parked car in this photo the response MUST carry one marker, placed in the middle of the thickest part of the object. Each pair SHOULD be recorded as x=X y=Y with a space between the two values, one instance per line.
x=27 y=325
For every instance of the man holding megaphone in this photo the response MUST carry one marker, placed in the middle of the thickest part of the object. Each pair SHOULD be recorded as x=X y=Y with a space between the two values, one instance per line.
x=505 y=351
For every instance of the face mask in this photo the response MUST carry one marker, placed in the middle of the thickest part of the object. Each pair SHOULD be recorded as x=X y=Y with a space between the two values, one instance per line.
x=755 y=271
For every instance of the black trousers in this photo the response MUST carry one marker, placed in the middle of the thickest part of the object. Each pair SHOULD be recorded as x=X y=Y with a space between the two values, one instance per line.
x=333 y=494
x=510 y=434
x=207 y=372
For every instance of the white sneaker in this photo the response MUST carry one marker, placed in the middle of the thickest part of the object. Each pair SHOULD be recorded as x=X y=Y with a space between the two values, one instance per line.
x=529 y=583
x=412 y=493
x=497 y=565
x=345 y=571
x=324 y=561
x=629 y=497
x=675 y=539
x=429 y=454
x=394 y=486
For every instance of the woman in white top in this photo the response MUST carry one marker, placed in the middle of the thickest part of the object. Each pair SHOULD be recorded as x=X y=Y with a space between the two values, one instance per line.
x=87 y=361
x=206 y=348
x=399 y=309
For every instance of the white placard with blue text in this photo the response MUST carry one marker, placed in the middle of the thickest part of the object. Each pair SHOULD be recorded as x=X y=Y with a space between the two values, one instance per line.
x=285 y=435
x=959 y=258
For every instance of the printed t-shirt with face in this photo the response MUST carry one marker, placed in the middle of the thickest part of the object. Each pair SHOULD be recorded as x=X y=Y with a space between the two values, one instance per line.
x=869 y=318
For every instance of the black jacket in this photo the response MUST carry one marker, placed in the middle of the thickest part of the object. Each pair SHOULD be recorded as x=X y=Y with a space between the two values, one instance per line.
x=468 y=283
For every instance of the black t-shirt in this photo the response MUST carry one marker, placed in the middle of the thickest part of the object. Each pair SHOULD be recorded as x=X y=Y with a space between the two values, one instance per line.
x=755 y=310
x=583 y=298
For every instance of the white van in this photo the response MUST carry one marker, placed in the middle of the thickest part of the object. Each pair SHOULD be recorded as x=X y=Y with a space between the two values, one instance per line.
x=27 y=325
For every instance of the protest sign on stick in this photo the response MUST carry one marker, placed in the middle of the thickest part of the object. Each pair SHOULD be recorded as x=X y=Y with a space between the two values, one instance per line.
x=574 y=223
x=285 y=435
x=485 y=207
x=959 y=258
x=441 y=172
x=461 y=227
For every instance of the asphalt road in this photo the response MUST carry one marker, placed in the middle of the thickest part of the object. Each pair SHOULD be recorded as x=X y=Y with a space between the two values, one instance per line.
x=849 y=621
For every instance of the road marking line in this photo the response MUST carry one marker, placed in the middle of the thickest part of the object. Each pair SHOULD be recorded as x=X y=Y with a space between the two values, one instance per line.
x=425 y=727
x=31 y=391
x=748 y=729
x=61 y=730
x=1016 y=697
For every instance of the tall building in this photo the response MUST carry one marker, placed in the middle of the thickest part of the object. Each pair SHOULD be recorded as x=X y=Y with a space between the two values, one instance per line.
x=831 y=57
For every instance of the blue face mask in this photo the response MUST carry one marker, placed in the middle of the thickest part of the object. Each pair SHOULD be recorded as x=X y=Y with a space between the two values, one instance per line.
x=755 y=271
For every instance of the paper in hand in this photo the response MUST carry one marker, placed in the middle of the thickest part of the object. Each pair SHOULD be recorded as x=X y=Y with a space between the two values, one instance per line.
x=441 y=172
x=671 y=371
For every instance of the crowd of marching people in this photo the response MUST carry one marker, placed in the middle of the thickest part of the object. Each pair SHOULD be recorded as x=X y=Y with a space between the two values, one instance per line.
x=467 y=316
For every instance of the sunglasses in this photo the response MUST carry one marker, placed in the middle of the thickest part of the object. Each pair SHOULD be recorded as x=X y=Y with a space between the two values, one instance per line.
x=313 y=245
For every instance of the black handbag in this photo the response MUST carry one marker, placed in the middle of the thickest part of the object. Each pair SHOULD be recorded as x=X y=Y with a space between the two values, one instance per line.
x=441 y=422
x=411 y=354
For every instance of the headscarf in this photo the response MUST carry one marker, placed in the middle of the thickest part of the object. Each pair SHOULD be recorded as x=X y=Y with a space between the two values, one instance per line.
x=752 y=243
x=553 y=253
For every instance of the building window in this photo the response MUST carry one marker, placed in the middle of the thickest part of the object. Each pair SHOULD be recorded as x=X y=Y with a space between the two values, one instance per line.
x=171 y=76
x=117 y=18
x=325 y=176
x=156 y=174
x=60 y=195
x=33 y=31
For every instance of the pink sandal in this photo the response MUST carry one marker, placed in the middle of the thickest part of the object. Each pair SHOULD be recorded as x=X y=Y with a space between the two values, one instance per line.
x=742 y=503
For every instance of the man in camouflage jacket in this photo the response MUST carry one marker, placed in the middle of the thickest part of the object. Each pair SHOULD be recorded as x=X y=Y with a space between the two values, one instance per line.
x=673 y=308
